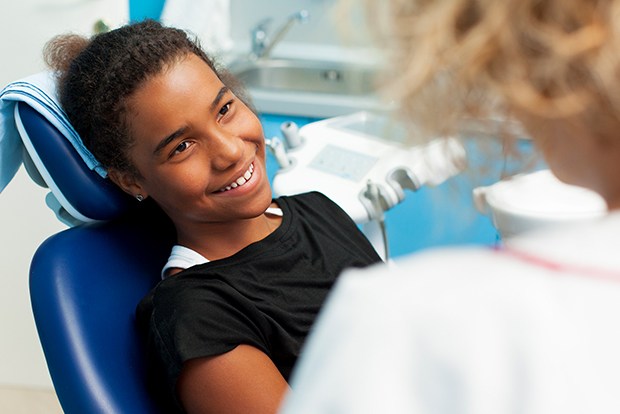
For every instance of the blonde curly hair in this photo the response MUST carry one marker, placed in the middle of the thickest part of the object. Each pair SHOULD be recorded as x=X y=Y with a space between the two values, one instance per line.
x=449 y=60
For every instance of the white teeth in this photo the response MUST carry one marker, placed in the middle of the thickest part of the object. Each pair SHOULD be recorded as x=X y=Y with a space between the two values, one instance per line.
x=241 y=180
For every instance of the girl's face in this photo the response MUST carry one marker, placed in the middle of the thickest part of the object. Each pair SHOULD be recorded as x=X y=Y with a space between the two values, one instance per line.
x=199 y=149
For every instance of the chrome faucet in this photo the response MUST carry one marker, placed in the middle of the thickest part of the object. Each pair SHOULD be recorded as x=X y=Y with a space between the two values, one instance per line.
x=263 y=44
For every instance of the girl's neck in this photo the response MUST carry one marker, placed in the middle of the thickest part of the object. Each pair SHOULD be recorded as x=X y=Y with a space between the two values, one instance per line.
x=219 y=240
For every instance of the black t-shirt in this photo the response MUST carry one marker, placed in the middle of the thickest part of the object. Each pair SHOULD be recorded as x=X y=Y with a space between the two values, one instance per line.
x=266 y=295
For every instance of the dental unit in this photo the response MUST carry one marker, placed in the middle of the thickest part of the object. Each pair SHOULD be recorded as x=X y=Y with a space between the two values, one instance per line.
x=361 y=162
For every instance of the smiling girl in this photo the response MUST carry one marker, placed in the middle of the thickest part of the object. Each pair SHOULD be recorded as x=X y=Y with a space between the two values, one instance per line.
x=248 y=274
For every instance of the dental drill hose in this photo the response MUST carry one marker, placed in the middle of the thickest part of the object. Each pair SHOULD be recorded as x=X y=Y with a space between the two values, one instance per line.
x=376 y=210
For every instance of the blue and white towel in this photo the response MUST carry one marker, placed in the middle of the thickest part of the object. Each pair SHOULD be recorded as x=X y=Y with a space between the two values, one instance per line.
x=38 y=91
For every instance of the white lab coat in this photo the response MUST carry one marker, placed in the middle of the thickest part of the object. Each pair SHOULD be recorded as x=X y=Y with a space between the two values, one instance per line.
x=471 y=330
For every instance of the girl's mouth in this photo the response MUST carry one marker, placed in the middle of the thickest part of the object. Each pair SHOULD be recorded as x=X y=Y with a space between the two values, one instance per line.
x=241 y=180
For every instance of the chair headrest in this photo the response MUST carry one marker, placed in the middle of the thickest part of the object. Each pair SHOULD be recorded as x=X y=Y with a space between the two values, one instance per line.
x=81 y=192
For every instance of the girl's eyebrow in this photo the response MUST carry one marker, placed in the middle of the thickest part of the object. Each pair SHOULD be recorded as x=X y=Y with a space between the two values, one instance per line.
x=164 y=142
x=219 y=96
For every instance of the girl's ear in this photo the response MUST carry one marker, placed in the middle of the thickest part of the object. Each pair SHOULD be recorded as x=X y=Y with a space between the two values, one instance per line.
x=128 y=182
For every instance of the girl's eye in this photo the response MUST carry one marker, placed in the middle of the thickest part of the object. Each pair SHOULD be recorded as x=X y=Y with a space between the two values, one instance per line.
x=224 y=110
x=180 y=148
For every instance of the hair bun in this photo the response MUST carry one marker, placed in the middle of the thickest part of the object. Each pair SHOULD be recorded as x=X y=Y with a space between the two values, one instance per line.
x=61 y=50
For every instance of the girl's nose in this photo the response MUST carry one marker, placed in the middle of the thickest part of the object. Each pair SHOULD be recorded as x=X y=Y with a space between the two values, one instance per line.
x=226 y=150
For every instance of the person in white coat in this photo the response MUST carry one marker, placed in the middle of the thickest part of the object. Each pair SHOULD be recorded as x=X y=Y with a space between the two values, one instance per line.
x=532 y=326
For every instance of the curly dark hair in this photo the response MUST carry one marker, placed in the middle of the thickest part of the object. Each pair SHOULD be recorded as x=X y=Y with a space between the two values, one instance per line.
x=96 y=76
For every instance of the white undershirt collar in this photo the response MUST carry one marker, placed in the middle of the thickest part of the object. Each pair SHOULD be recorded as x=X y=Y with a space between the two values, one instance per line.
x=182 y=257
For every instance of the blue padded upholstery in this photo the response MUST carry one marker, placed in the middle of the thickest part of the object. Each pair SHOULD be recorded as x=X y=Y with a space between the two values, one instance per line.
x=85 y=283
x=86 y=191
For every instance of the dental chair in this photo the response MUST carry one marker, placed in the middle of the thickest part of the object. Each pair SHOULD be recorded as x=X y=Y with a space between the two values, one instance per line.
x=86 y=281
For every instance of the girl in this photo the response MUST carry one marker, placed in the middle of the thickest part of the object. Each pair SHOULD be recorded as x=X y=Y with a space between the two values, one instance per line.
x=248 y=273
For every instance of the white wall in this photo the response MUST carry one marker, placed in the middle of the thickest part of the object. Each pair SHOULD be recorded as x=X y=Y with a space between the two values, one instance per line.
x=25 y=221
x=322 y=35
x=319 y=29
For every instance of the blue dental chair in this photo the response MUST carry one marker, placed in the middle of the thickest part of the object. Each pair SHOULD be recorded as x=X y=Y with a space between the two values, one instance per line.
x=86 y=281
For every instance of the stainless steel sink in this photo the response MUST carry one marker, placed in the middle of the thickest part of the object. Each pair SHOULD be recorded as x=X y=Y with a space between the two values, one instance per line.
x=306 y=76
x=307 y=87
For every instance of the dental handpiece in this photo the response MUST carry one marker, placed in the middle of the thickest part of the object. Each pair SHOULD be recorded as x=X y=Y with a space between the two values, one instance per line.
x=290 y=132
x=279 y=152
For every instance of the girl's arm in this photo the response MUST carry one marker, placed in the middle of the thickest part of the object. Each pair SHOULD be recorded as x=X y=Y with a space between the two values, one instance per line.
x=243 y=380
